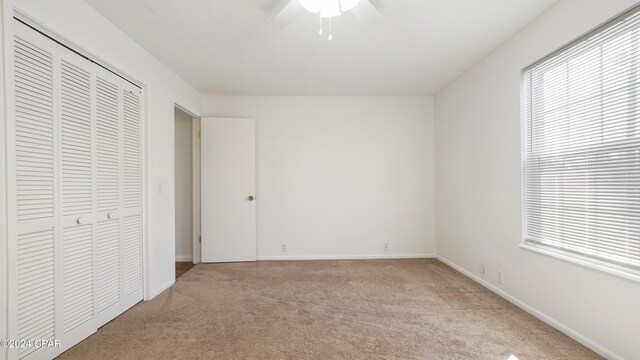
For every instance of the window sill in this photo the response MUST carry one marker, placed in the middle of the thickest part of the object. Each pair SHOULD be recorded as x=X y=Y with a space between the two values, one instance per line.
x=619 y=271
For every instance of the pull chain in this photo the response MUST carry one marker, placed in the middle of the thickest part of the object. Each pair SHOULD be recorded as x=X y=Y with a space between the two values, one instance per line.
x=321 y=31
x=330 y=29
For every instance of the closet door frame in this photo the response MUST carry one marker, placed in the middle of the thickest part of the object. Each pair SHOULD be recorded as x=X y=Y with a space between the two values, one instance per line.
x=4 y=111
x=9 y=274
x=10 y=230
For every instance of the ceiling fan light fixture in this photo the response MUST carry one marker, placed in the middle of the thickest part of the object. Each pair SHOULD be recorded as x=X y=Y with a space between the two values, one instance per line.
x=347 y=5
x=328 y=8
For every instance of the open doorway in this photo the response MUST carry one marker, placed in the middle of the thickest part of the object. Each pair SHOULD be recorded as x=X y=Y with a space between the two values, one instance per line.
x=187 y=214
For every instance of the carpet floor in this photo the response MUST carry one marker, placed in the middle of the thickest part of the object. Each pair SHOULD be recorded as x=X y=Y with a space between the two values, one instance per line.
x=361 y=309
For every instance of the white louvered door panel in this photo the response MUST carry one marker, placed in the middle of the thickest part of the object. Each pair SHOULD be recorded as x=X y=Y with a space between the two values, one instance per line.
x=76 y=156
x=34 y=131
x=109 y=148
x=33 y=297
x=108 y=152
x=132 y=196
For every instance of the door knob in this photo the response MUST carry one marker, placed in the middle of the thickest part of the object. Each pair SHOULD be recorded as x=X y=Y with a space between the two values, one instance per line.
x=251 y=197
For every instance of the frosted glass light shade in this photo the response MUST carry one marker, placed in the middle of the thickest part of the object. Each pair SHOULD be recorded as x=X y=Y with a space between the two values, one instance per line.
x=328 y=8
x=346 y=5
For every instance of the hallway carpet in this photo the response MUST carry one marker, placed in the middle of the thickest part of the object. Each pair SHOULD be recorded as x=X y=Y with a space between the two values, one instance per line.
x=360 y=309
x=182 y=267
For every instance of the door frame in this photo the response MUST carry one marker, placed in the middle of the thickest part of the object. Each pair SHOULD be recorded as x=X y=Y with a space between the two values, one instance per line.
x=196 y=231
x=197 y=227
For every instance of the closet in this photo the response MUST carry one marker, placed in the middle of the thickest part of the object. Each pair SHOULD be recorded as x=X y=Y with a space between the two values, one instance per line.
x=75 y=195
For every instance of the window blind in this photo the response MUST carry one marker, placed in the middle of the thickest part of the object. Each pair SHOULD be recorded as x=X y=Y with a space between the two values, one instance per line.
x=582 y=146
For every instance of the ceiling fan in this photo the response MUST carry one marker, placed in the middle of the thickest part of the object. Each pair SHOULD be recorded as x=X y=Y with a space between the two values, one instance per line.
x=363 y=10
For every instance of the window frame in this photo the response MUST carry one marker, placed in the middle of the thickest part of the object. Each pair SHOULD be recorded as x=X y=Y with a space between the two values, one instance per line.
x=625 y=272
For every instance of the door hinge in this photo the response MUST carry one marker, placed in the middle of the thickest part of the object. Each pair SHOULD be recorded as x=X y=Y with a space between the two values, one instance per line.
x=200 y=239
x=199 y=134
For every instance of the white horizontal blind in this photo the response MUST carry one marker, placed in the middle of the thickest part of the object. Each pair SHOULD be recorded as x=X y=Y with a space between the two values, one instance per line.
x=582 y=146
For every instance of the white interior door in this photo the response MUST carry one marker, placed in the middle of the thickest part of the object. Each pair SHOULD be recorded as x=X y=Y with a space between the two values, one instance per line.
x=228 y=183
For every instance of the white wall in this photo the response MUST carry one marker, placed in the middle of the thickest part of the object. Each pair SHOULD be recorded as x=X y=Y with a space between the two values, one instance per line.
x=183 y=186
x=478 y=171
x=82 y=26
x=337 y=177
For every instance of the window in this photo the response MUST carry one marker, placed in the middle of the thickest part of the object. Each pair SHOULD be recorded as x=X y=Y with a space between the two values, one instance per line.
x=582 y=148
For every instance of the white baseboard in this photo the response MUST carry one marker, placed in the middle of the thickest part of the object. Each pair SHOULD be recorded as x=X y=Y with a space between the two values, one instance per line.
x=599 y=349
x=184 y=258
x=346 y=257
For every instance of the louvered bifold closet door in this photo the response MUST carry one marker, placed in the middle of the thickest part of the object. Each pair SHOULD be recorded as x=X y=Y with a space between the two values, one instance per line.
x=119 y=245
x=76 y=245
x=33 y=294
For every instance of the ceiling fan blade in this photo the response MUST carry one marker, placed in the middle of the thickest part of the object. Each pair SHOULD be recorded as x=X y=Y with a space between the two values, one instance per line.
x=368 y=14
x=288 y=12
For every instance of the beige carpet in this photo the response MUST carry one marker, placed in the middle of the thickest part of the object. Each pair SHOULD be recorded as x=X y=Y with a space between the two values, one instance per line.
x=378 y=309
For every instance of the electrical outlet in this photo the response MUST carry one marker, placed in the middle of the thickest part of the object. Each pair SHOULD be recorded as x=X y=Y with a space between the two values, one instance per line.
x=499 y=277
x=482 y=269
x=386 y=246
x=283 y=247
